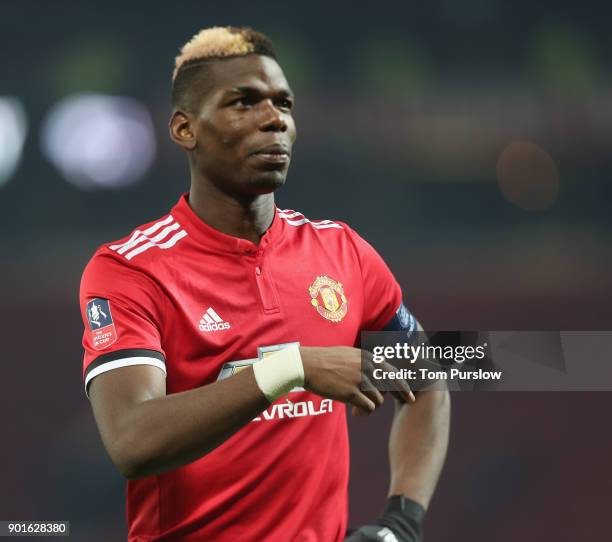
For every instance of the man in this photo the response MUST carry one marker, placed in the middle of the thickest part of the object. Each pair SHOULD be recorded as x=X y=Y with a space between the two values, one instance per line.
x=218 y=377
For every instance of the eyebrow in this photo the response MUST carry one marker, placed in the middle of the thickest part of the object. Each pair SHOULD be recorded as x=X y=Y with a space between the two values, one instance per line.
x=246 y=89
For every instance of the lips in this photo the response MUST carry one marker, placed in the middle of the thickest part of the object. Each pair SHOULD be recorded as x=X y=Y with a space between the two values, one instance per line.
x=273 y=154
x=275 y=149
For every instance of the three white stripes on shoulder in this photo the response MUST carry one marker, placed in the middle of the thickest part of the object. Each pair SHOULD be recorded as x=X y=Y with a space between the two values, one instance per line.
x=288 y=214
x=142 y=240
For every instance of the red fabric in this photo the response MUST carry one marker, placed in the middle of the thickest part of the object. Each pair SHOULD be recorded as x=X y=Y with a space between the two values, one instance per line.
x=284 y=476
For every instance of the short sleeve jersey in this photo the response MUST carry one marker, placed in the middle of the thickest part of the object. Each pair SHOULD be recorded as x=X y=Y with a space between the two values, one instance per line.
x=199 y=305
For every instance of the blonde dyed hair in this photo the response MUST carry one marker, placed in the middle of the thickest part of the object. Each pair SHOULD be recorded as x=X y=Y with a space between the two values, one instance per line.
x=222 y=42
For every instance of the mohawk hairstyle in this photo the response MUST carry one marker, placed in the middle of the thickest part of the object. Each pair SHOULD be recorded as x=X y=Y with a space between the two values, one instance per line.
x=217 y=43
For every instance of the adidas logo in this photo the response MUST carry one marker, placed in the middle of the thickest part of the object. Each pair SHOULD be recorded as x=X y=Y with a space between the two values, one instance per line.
x=211 y=321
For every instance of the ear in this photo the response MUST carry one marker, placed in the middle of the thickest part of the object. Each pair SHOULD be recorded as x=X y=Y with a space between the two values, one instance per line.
x=182 y=130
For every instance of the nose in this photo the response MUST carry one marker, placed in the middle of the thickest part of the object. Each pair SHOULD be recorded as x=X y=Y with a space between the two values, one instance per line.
x=272 y=120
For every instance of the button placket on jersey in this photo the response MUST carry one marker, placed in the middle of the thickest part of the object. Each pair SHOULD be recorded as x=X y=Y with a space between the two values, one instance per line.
x=265 y=284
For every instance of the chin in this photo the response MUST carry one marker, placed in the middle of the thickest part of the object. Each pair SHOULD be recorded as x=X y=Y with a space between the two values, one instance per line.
x=268 y=182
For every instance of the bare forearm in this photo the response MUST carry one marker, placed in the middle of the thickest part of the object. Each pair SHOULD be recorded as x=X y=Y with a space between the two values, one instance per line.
x=147 y=432
x=418 y=444
x=167 y=432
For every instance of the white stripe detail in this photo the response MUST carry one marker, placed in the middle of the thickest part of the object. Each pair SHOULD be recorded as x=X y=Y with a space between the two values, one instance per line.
x=302 y=220
x=208 y=319
x=324 y=226
x=289 y=214
x=169 y=243
x=125 y=362
x=212 y=312
x=142 y=238
x=148 y=231
x=319 y=225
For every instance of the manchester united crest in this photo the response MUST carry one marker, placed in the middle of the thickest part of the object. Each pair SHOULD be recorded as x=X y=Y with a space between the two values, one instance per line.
x=327 y=296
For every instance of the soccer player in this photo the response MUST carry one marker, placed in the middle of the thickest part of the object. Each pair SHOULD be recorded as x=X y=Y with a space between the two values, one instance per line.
x=220 y=338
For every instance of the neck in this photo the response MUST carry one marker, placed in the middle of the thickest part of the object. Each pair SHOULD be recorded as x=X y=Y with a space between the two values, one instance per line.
x=247 y=218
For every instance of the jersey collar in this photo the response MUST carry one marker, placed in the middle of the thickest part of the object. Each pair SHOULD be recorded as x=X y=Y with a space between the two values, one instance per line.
x=216 y=240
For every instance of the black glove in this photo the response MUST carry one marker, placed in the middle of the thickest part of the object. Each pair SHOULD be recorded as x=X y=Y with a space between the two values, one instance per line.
x=400 y=522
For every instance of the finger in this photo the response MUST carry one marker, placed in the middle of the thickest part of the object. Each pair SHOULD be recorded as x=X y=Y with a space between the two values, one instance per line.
x=370 y=390
x=362 y=402
x=368 y=379
x=405 y=392
x=367 y=367
x=367 y=356
x=375 y=397
x=408 y=396
x=402 y=396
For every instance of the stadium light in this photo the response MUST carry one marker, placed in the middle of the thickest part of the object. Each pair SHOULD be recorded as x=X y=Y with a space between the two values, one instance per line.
x=13 y=129
x=98 y=141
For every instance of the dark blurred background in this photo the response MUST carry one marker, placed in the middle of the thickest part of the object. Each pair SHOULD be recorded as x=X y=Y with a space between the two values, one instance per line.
x=470 y=142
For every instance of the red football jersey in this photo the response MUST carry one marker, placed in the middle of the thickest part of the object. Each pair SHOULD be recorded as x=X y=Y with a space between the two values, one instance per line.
x=199 y=304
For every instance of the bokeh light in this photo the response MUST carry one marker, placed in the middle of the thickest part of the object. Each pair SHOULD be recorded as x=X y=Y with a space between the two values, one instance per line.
x=98 y=141
x=528 y=176
x=13 y=129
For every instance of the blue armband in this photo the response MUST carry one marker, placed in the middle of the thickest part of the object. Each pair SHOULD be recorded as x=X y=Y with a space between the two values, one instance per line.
x=402 y=321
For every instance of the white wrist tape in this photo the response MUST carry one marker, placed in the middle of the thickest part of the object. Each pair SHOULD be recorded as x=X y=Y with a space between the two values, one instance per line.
x=279 y=372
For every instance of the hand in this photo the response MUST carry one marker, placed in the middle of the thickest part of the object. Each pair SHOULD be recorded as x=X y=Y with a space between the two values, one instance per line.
x=405 y=395
x=336 y=373
x=401 y=521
